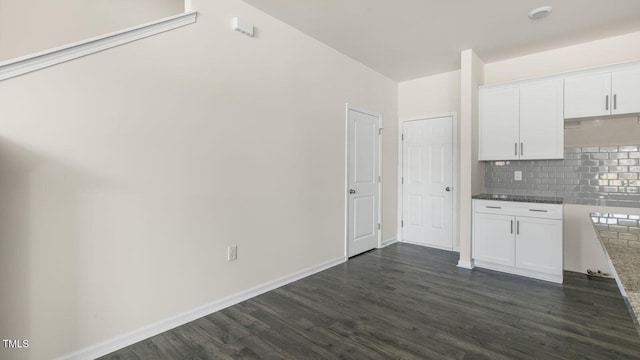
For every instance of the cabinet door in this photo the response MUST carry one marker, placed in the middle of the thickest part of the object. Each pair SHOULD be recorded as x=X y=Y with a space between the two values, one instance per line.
x=625 y=89
x=587 y=96
x=499 y=121
x=539 y=245
x=493 y=238
x=541 y=121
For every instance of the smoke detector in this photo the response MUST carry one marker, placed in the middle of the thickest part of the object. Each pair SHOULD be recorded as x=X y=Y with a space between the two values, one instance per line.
x=540 y=12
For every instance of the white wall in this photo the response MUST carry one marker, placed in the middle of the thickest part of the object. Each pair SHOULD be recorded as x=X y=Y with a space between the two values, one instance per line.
x=129 y=172
x=603 y=131
x=594 y=53
x=431 y=95
x=28 y=26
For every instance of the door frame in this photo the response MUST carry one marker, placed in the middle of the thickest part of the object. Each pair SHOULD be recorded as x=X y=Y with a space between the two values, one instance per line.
x=456 y=180
x=346 y=175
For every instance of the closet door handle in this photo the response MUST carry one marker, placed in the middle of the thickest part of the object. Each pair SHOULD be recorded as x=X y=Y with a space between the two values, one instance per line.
x=606 y=102
x=512 y=226
x=615 y=101
x=521 y=149
x=516 y=149
x=518 y=227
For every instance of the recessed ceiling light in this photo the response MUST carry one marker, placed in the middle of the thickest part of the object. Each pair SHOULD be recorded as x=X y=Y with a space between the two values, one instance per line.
x=540 y=12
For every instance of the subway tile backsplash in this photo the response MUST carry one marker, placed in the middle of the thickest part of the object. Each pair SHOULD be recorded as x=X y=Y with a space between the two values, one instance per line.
x=591 y=175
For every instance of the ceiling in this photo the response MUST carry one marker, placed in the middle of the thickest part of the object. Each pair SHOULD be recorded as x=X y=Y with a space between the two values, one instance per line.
x=408 y=39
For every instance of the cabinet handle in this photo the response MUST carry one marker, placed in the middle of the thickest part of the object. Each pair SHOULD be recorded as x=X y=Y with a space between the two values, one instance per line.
x=512 y=226
x=615 y=101
x=518 y=227
x=521 y=149
x=606 y=102
x=538 y=210
x=493 y=207
x=516 y=148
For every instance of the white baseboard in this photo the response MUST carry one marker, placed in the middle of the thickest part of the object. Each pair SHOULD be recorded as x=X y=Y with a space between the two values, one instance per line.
x=466 y=264
x=428 y=245
x=389 y=242
x=161 y=326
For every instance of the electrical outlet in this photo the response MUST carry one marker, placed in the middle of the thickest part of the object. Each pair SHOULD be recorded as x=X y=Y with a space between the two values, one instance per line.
x=232 y=253
x=517 y=175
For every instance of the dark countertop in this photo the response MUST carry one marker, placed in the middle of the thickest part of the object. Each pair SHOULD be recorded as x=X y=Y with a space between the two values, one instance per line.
x=619 y=235
x=520 y=198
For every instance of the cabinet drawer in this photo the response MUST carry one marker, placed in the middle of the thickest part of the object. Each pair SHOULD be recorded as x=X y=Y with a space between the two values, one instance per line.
x=534 y=210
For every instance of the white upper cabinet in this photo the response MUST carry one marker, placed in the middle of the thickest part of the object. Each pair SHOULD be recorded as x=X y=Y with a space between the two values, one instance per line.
x=602 y=94
x=541 y=122
x=499 y=123
x=522 y=122
x=625 y=89
x=587 y=96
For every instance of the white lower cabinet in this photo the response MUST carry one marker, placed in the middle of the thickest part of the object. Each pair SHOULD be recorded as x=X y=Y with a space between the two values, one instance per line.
x=518 y=238
x=493 y=239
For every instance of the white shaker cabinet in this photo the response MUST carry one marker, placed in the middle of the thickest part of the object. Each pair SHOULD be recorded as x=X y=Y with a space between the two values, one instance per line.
x=609 y=93
x=541 y=122
x=538 y=244
x=493 y=239
x=521 y=122
x=625 y=90
x=587 y=96
x=519 y=238
x=499 y=123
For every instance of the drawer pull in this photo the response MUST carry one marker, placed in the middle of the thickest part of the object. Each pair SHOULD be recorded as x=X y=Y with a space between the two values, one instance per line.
x=538 y=210
x=493 y=207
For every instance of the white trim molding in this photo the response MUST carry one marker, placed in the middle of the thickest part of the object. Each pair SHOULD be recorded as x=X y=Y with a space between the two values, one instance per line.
x=161 y=326
x=40 y=60
x=466 y=264
x=388 y=242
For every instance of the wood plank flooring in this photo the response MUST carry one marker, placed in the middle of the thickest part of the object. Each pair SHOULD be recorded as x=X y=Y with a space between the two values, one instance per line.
x=410 y=302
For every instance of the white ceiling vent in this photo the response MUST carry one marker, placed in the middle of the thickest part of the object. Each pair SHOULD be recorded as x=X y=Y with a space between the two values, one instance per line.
x=540 y=12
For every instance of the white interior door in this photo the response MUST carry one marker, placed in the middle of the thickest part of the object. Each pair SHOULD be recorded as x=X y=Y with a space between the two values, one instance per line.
x=427 y=182
x=362 y=181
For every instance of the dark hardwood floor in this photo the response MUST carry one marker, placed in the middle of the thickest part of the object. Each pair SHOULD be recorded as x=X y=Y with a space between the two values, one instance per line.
x=410 y=302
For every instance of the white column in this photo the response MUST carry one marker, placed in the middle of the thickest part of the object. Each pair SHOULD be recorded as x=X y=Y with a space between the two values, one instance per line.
x=471 y=174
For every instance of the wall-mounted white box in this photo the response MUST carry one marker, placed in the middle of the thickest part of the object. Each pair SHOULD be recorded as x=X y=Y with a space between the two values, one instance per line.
x=242 y=26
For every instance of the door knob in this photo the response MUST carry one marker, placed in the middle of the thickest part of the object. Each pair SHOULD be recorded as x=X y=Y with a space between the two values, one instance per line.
x=447 y=188
x=352 y=191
